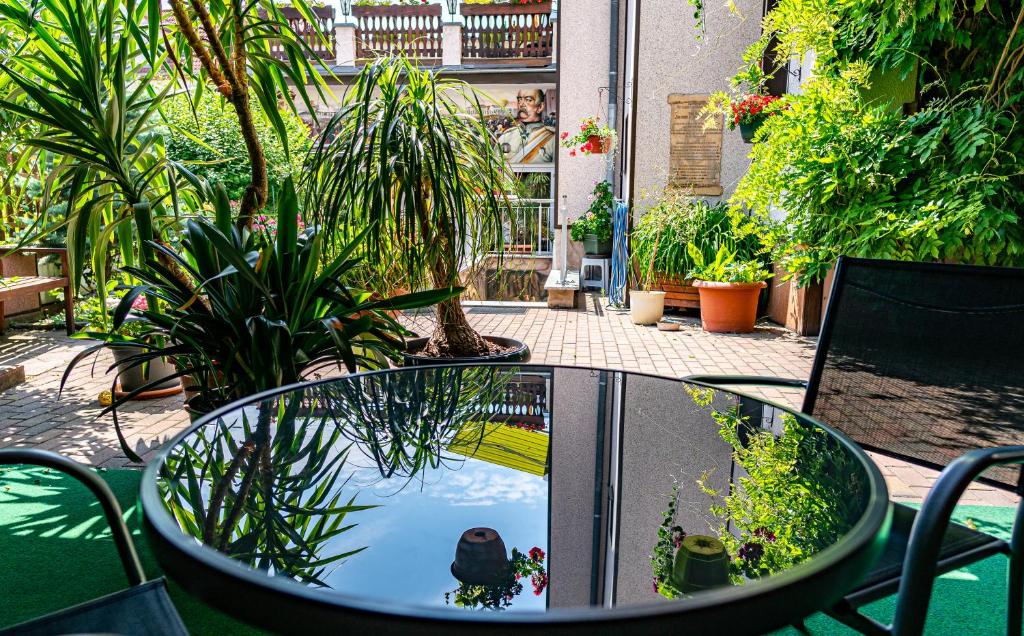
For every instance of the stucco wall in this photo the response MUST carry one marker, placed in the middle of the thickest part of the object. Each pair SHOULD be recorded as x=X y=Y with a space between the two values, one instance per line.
x=672 y=61
x=583 y=70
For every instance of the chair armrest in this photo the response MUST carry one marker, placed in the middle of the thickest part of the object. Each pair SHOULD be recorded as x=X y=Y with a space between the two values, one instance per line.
x=741 y=380
x=99 y=488
x=930 y=526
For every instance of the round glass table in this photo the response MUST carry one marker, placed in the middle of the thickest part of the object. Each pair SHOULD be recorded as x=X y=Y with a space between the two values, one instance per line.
x=469 y=499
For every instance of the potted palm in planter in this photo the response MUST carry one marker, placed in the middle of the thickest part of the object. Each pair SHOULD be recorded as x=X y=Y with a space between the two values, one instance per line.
x=594 y=227
x=405 y=162
x=729 y=290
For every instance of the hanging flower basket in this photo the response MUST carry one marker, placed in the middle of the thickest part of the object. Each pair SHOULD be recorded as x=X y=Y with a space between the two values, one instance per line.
x=592 y=139
x=598 y=144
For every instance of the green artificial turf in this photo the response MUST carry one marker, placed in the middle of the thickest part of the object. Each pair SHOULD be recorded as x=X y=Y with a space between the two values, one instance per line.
x=55 y=551
x=971 y=600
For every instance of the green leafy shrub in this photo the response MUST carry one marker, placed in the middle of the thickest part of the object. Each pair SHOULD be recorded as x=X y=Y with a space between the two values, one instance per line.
x=209 y=142
x=943 y=184
x=597 y=220
x=724 y=268
x=662 y=235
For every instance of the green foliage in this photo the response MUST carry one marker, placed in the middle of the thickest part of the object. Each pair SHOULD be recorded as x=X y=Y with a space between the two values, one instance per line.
x=724 y=268
x=269 y=492
x=661 y=236
x=247 y=312
x=597 y=220
x=859 y=177
x=404 y=164
x=798 y=493
x=207 y=138
x=82 y=86
x=943 y=184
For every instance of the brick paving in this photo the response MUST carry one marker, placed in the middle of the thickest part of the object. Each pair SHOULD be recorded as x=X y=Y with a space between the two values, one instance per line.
x=31 y=414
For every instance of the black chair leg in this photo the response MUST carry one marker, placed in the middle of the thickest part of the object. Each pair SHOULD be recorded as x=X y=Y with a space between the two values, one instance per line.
x=859 y=622
x=1015 y=594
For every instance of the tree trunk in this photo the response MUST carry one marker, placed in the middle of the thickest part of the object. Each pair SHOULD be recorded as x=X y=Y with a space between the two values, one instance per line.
x=453 y=337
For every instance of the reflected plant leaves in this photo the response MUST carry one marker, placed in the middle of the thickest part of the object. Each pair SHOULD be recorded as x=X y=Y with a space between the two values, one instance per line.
x=268 y=493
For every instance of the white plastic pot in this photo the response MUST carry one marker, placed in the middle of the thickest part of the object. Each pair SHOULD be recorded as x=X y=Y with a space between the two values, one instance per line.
x=646 y=307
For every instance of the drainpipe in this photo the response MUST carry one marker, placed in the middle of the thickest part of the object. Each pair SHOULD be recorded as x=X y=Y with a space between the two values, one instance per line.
x=613 y=78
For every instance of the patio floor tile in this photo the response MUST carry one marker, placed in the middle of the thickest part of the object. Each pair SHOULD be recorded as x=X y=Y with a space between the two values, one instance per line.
x=31 y=414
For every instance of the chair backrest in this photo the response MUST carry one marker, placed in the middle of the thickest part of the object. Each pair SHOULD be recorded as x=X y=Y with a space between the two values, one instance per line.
x=923 y=361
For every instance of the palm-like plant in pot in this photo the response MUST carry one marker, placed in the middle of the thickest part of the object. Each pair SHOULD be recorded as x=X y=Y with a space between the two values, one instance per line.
x=729 y=290
x=245 y=311
x=409 y=157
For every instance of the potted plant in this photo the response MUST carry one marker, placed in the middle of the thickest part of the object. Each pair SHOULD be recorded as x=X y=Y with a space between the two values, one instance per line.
x=594 y=227
x=729 y=290
x=592 y=139
x=429 y=191
x=646 y=304
x=676 y=220
x=232 y=319
x=748 y=112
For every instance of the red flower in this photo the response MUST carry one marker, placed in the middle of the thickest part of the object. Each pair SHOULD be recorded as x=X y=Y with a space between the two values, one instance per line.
x=565 y=135
x=572 y=153
x=537 y=554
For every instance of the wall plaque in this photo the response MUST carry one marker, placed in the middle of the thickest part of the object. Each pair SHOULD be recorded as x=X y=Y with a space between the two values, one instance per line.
x=695 y=153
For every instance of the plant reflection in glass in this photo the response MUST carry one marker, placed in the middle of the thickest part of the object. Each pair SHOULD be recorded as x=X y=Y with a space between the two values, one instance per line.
x=794 y=493
x=499 y=594
x=405 y=422
x=268 y=495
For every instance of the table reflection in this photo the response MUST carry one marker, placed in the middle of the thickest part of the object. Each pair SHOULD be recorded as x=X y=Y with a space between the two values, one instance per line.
x=513 y=489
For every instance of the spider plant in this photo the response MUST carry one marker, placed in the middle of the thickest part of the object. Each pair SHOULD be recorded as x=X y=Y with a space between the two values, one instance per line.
x=408 y=156
x=246 y=311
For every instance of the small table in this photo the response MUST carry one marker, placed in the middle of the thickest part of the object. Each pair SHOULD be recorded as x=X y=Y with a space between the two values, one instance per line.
x=470 y=499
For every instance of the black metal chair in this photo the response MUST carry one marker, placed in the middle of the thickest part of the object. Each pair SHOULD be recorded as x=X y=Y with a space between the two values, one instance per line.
x=143 y=608
x=925 y=363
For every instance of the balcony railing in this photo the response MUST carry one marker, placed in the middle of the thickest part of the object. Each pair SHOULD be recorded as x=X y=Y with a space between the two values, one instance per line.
x=384 y=30
x=325 y=20
x=532 y=230
x=507 y=33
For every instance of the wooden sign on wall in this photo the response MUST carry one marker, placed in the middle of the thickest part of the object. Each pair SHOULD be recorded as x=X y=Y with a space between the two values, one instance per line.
x=695 y=152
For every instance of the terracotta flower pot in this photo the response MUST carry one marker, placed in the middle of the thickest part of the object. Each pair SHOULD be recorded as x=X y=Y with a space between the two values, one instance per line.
x=480 y=557
x=598 y=144
x=728 y=307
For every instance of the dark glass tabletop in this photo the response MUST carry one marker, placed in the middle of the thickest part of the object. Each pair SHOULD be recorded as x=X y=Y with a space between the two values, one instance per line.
x=467 y=498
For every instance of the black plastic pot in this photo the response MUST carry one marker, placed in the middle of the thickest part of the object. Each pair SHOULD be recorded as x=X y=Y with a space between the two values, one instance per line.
x=520 y=353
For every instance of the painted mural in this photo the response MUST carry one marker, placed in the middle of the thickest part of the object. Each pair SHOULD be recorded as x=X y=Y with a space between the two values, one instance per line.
x=524 y=122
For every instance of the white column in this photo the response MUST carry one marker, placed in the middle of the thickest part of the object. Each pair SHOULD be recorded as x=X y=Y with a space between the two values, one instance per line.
x=345 y=44
x=554 y=38
x=451 y=44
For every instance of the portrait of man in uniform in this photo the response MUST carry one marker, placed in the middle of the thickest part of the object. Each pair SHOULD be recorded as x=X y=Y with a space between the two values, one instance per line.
x=531 y=138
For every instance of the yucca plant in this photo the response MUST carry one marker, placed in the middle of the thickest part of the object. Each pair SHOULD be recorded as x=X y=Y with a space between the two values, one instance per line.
x=409 y=157
x=245 y=311
x=82 y=86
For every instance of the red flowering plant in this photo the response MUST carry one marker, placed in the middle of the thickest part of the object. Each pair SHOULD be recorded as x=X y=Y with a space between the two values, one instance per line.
x=499 y=594
x=751 y=109
x=584 y=142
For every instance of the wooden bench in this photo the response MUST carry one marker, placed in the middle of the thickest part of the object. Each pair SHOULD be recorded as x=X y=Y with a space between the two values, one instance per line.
x=19 y=286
